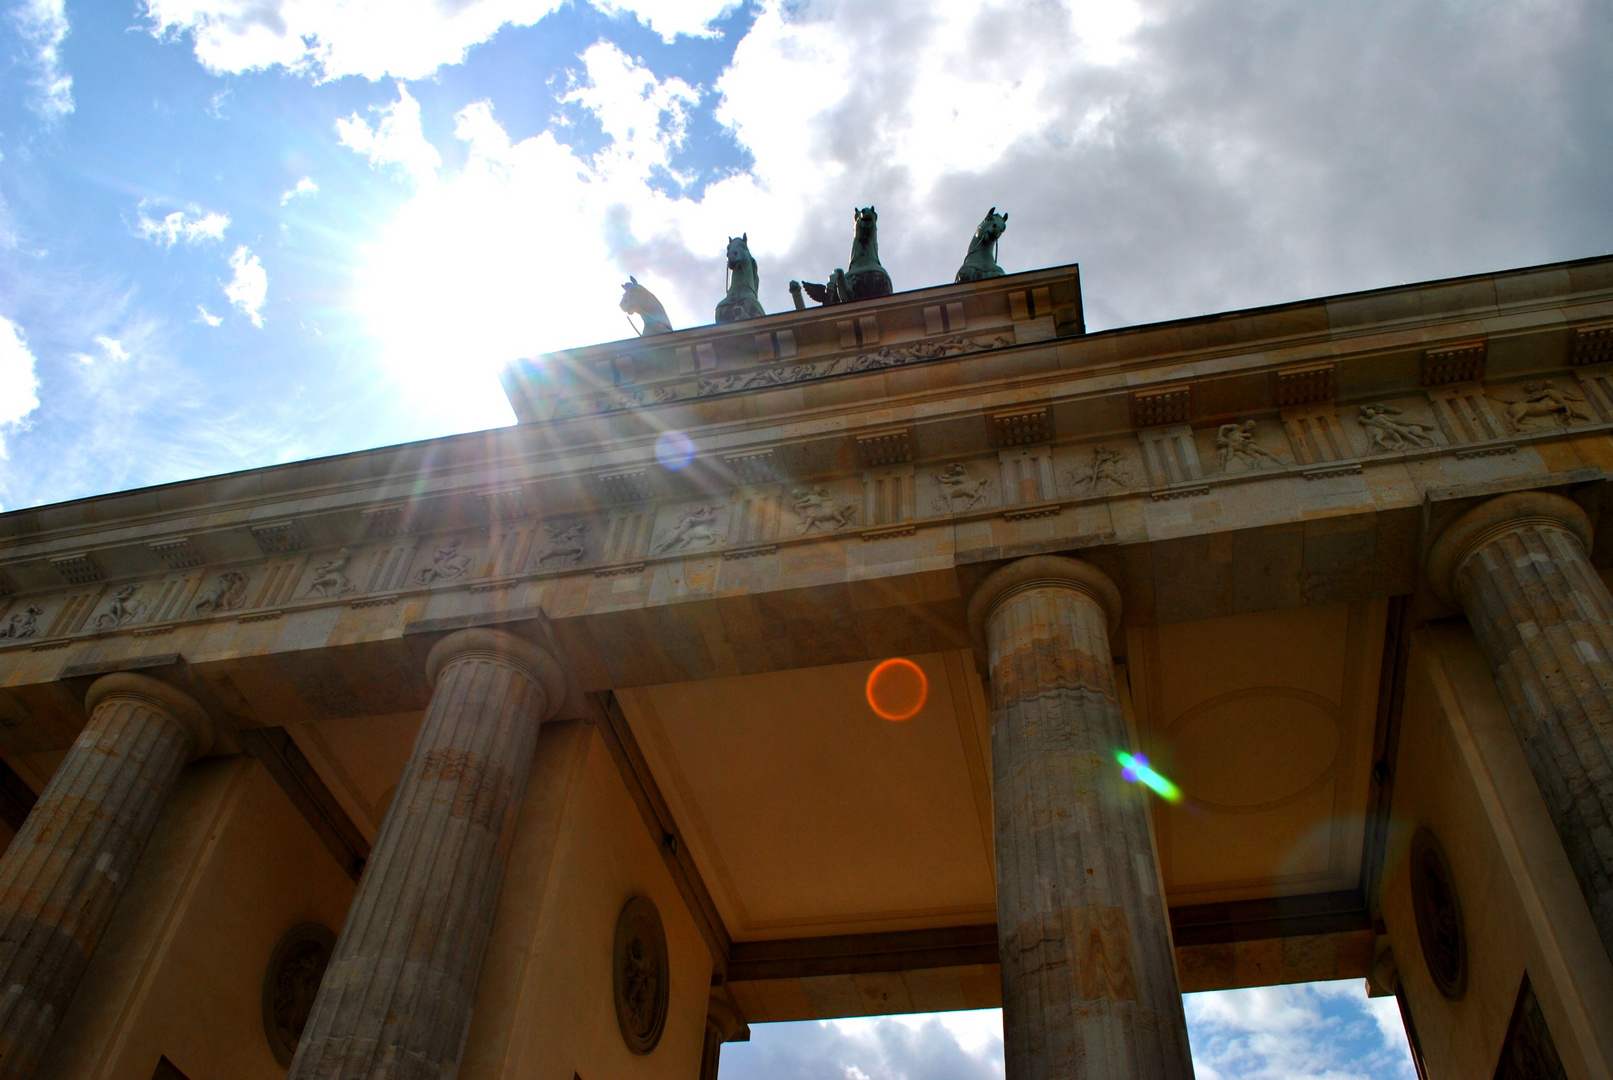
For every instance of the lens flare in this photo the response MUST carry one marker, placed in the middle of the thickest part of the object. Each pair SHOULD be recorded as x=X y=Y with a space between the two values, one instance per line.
x=897 y=689
x=674 y=450
x=1135 y=769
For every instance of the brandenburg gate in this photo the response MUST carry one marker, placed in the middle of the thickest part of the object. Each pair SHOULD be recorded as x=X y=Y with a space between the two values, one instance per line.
x=911 y=653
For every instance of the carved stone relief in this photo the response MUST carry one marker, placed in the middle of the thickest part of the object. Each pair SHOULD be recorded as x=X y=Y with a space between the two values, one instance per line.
x=227 y=593
x=695 y=527
x=1236 y=445
x=290 y=984
x=958 y=486
x=1438 y=911
x=330 y=577
x=23 y=624
x=640 y=974
x=121 y=610
x=1385 y=432
x=562 y=546
x=1543 y=405
x=817 y=509
x=447 y=563
x=1106 y=470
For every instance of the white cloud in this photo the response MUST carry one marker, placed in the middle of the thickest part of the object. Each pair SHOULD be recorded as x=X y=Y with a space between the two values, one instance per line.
x=43 y=26
x=406 y=39
x=248 y=289
x=305 y=186
x=193 y=227
x=208 y=317
x=1315 y=1031
x=112 y=347
x=19 y=385
x=395 y=140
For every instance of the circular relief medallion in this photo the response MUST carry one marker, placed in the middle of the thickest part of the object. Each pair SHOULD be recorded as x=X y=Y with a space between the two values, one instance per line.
x=640 y=974
x=291 y=983
x=1439 y=915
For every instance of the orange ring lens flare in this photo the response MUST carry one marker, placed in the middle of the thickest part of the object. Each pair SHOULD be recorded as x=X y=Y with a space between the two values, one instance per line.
x=897 y=689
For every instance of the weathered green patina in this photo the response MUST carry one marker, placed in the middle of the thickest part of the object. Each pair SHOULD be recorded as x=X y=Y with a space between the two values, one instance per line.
x=741 y=301
x=981 y=262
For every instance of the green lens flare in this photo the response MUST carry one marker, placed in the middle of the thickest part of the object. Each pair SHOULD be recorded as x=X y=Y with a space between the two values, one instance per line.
x=1135 y=768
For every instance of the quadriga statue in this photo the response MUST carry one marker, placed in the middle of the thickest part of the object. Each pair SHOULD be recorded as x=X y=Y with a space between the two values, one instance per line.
x=863 y=278
x=637 y=300
x=981 y=262
x=741 y=301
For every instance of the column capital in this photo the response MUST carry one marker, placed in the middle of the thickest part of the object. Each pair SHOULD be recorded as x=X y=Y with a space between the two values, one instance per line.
x=1041 y=570
x=1497 y=517
x=155 y=694
x=502 y=647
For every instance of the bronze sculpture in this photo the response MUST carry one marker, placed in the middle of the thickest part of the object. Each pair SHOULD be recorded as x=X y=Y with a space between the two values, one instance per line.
x=637 y=300
x=863 y=278
x=741 y=301
x=981 y=262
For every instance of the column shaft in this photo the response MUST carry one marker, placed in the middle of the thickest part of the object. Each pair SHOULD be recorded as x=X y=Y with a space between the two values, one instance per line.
x=396 y=999
x=65 y=871
x=1089 y=977
x=1544 y=618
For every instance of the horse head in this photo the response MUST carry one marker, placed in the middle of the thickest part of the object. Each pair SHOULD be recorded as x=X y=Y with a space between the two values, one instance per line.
x=633 y=295
x=992 y=226
x=738 y=250
x=867 y=220
x=637 y=300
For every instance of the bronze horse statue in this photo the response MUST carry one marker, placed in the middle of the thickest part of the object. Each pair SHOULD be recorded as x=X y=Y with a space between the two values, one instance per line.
x=981 y=262
x=741 y=301
x=637 y=300
x=863 y=278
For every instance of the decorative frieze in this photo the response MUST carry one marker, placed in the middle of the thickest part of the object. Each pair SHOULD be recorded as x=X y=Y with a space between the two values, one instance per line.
x=1108 y=469
x=562 y=544
x=1027 y=475
x=627 y=535
x=888 y=495
x=1315 y=434
x=1453 y=364
x=958 y=490
x=819 y=511
x=753 y=515
x=1388 y=432
x=886 y=357
x=1170 y=455
x=1465 y=414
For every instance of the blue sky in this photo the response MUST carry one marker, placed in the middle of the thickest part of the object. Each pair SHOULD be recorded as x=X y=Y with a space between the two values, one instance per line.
x=239 y=232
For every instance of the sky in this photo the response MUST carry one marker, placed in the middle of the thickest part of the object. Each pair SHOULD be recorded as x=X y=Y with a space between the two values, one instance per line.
x=241 y=232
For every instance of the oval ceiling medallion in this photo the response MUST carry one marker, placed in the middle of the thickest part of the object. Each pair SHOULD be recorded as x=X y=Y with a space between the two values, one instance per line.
x=291 y=983
x=1255 y=749
x=640 y=974
x=1438 y=911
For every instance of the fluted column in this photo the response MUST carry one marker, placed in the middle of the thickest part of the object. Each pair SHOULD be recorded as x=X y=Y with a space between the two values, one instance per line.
x=1089 y=978
x=64 y=873
x=396 y=998
x=1518 y=565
